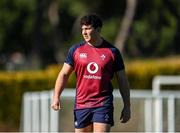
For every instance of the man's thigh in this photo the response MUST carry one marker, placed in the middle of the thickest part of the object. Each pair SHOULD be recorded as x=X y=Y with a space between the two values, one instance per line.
x=101 y=127
x=88 y=128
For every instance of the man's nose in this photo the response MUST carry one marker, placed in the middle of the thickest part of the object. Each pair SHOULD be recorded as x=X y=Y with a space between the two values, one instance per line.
x=83 y=32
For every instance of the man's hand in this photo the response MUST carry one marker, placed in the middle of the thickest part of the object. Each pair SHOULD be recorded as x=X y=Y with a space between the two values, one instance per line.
x=125 y=114
x=56 y=105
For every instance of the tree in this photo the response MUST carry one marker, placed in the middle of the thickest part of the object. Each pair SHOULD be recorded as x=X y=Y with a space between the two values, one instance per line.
x=126 y=24
x=54 y=19
x=154 y=30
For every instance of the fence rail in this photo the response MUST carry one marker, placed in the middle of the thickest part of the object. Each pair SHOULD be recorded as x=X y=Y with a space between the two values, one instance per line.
x=39 y=117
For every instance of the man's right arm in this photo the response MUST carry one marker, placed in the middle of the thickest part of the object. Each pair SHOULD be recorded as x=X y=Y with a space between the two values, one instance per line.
x=60 y=84
x=124 y=89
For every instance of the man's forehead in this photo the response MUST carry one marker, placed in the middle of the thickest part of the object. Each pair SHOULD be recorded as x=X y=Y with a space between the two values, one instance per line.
x=87 y=26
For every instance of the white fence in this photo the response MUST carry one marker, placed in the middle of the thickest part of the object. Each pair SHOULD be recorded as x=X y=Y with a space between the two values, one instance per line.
x=36 y=113
x=157 y=82
x=39 y=117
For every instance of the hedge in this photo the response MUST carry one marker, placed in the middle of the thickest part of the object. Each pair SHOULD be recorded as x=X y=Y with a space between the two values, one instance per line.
x=13 y=84
x=140 y=73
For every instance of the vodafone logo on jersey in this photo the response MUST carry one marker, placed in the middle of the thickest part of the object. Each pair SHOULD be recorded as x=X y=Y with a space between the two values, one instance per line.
x=92 y=67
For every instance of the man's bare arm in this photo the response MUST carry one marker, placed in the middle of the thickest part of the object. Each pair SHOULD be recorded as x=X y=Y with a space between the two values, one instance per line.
x=60 y=84
x=124 y=89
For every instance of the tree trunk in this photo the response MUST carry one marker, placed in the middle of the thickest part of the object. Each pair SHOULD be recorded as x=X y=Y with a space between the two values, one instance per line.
x=56 y=35
x=126 y=24
x=35 y=54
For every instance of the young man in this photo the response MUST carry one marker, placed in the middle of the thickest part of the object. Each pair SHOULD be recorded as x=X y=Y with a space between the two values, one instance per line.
x=94 y=61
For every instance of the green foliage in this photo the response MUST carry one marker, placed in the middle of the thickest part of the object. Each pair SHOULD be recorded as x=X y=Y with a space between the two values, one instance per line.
x=25 y=27
x=14 y=84
x=109 y=29
x=140 y=73
x=16 y=24
x=154 y=30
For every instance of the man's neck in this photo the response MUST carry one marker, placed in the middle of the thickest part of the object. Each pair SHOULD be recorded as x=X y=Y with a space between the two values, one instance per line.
x=96 y=43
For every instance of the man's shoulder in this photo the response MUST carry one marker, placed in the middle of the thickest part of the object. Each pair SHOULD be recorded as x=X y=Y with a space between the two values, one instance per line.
x=77 y=45
x=81 y=43
x=110 y=46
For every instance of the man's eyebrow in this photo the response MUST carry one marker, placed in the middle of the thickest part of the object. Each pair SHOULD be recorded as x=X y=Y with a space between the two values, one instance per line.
x=86 y=27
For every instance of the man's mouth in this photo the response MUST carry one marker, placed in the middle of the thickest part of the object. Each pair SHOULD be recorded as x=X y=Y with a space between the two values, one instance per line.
x=86 y=37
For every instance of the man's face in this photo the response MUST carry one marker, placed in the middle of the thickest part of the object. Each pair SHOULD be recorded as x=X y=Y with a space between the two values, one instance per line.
x=89 y=33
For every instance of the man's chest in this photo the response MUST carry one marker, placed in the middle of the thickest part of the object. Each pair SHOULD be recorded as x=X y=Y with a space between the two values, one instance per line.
x=95 y=57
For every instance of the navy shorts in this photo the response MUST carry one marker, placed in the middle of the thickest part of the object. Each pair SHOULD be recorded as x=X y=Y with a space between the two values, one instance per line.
x=84 y=117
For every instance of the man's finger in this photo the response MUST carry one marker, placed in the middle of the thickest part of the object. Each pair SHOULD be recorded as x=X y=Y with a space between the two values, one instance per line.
x=56 y=107
x=125 y=119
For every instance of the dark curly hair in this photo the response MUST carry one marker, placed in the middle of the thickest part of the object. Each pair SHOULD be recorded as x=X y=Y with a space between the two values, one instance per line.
x=91 y=19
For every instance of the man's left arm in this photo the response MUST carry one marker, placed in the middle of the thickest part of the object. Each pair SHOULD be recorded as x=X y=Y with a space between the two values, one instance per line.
x=124 y=89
